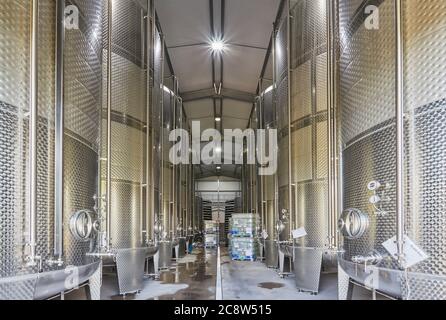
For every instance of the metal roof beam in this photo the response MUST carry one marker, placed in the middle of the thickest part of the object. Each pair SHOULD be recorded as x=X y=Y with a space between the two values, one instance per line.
x=225 y=94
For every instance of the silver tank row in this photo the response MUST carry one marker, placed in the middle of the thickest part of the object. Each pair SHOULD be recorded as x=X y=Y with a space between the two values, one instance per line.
x=300 y=106
x=360 y=112
x=392 y=114
x=83 y=169
x=50 y=100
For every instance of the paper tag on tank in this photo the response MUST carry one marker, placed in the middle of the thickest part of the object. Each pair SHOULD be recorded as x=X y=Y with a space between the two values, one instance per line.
x=299 y=233
x=413 y=254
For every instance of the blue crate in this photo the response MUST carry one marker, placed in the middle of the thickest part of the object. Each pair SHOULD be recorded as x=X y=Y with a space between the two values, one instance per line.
x=243 y=258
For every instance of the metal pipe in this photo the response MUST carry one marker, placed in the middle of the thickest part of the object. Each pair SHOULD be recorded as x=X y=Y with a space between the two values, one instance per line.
x=261 y=177
x=331 y=125
x=33 y=131
x=156 y=215
x=193 y=204
x=162 y=139
x=178 y=181
x=109 y=120
x=149 y=156
x=338 y=165
x=142 y=230
x=145 y=185
x=276 y=182
x=290 y=191
x=185 y=214
x=400 y=130
x=173 y=186
x=59 y=131
x=334 y=66
x=172 y=221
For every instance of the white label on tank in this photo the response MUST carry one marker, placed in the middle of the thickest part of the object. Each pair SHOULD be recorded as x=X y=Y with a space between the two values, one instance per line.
x=413 y=254
x=299 y=233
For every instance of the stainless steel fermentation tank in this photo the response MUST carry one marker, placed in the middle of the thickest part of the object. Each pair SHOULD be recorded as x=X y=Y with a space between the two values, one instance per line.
x=266 y=184
x=393 y=118
x=50 y=100
x=249 y=171
x=169 y=240
x=183 y=191
x=303 y=92
x=126 y=179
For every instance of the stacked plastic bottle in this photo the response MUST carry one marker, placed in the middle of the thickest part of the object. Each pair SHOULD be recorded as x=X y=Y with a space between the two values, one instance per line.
x=210 y=231
x=243 y=237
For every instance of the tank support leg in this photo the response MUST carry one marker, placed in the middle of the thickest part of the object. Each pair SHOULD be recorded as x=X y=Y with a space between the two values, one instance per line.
x=177 y=252
x=156 y=263
x=281 y=262
x=345 y=287
x=93 y=289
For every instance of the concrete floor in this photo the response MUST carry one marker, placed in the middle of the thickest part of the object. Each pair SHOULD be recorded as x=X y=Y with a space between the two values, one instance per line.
x=194 y=278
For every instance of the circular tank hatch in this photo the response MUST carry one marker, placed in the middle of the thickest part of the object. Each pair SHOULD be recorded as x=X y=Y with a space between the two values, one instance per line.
x=83 y=225
x=353 y=223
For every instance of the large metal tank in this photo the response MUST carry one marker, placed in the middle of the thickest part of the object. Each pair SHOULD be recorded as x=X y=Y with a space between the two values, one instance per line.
x=249 y=170
x=281 y=79
x=393 y=117
x=303 y=114
x=126 y=137
x=267 y=183
x=183 y=192
x=169 y=208
x=157 y=100
x=50 y=104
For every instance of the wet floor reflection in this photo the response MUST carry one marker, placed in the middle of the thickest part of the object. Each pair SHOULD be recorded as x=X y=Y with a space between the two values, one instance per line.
x=271 y=285
x=200 y=276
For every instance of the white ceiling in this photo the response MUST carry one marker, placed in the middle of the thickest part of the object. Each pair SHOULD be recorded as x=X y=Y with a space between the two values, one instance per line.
x=242 y=68
x=248 y=25
x=236 y=109
x=199 y=109
x=184 y=21
x=196 y=73
x=250 y=22
x=186 y=26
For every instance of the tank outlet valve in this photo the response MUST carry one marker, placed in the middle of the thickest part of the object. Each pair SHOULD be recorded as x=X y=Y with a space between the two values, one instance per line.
x=55 y=262
x=372 y=259
x=374 y=185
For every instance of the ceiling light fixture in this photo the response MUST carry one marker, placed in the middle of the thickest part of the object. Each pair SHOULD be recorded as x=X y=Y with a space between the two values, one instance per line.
x=218 y=168
x=217 y=46
x=217 y=119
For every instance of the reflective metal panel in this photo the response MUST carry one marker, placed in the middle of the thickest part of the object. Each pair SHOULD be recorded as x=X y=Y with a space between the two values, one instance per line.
x=368 y=118
x=80 y=86
x=128 y=127
x=307 y=268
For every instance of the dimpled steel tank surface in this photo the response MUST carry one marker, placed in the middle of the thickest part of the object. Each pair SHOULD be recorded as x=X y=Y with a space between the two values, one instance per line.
x=303 y=53
x=393 y=117
x=49 y=114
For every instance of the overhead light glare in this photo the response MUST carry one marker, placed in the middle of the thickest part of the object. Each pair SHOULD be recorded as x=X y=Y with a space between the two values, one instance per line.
x=269 y=89
x=217 y=45
x=217 y=119
x=167 y=90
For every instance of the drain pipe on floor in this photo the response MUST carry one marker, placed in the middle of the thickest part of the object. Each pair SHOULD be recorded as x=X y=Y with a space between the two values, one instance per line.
x=219 y=287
